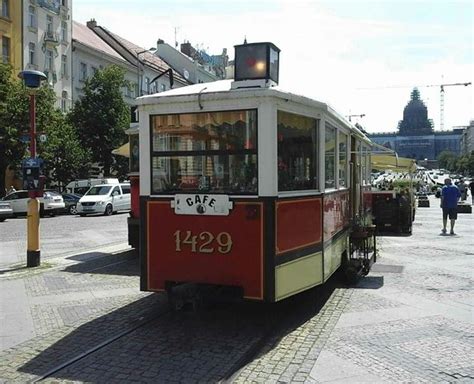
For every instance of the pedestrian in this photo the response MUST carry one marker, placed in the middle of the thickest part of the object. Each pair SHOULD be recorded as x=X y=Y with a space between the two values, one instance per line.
x=449 y=202
x=462 y=189
x=471 y=187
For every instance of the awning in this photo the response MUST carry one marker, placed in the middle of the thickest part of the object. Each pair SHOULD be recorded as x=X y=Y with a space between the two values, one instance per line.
x=390 y=161
x=123 y=150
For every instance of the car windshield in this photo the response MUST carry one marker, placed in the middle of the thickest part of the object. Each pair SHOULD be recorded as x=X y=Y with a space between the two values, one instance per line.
x=98 y=190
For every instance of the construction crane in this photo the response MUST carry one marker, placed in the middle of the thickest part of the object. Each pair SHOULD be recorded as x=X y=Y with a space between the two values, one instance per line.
x=441 y=95
x=441 y=99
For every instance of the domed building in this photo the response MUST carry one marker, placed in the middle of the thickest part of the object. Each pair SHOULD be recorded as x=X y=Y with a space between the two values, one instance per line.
x=416 y=137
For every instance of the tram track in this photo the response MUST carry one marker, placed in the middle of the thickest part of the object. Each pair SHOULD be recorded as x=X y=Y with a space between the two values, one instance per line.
x=243 y=332
x=141 y=323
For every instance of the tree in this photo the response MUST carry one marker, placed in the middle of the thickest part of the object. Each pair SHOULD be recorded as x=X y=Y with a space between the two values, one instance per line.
x=101 y=115
x=65 y=158
x=447 y=160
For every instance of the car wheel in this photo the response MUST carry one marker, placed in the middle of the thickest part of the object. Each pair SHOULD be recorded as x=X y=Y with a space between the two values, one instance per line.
x=108 y=210
x=73 y=210
x=2 y=219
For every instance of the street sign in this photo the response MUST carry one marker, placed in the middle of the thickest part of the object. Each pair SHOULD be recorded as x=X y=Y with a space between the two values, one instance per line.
x=43 y=138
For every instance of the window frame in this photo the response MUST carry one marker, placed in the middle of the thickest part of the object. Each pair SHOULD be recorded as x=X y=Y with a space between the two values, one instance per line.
x=195 y=153
x=330 y=126
x=315 y=130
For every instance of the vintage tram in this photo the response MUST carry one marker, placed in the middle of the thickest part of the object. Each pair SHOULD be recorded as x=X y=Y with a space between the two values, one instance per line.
x=247 y=186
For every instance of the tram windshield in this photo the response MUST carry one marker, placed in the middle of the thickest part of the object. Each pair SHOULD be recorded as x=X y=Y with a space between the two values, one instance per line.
x=211 y=152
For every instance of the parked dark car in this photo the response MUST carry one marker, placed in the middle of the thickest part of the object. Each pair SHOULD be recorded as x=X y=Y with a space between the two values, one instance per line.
x=70 y=200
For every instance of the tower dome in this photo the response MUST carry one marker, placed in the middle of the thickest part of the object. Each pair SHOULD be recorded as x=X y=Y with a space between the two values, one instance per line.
x=415 y=117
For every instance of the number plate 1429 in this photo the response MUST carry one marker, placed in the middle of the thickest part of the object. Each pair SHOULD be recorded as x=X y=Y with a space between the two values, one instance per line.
x=203 y=242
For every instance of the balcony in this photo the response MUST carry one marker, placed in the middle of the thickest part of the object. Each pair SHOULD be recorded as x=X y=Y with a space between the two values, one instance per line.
x=51 y=38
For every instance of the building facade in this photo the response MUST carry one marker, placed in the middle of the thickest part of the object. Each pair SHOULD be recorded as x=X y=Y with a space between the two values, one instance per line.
x=46 y=44
x=194 y=65
x=467 y=139
x=10 y=34
x=416 y=138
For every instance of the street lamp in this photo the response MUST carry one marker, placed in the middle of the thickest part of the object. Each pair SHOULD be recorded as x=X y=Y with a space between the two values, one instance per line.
x=31 y=172
x=360 y=116
x=139 y=85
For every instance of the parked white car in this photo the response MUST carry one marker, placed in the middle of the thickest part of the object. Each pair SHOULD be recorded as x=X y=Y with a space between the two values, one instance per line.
x=6 y=210
x=50 y=203
x=105 y=199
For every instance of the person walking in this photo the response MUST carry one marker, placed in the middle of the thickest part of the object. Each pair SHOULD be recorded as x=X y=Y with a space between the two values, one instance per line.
x=471 y=187
x=450 y=195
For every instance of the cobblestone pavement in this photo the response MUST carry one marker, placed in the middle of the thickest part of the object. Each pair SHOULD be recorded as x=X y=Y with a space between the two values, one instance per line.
x=410 y=320
x=82 y=233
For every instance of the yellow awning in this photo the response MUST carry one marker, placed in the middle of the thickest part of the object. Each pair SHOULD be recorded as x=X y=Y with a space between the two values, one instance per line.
x=123 y=150
x=390 y=161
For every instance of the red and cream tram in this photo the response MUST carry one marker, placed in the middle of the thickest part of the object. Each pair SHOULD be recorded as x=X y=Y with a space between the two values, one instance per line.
x=245 y=185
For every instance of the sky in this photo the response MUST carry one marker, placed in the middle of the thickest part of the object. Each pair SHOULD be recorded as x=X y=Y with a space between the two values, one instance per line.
x=361 y=57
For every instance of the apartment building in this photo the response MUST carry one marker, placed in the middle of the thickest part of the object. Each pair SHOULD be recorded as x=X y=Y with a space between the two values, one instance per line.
x=10 y=34
x=46 y=44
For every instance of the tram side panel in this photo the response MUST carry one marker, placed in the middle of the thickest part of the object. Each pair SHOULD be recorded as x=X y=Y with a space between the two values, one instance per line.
x=298 y=245
x=336 y=230
x=203 y=249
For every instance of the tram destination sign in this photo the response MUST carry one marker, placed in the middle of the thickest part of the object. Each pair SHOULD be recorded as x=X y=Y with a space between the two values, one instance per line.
x=201 y=204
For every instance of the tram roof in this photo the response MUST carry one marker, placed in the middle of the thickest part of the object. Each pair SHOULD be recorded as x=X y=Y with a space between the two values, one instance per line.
x=182 y=94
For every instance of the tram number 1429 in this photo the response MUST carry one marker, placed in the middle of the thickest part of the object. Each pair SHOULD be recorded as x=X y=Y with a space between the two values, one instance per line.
x=204 y=242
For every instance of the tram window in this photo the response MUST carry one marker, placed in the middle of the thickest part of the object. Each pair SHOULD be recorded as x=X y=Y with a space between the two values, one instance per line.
x=226 y=131
x=330 y=157
x=215 y=173
x=212 y=152
x=297 y=148
x=342 y=159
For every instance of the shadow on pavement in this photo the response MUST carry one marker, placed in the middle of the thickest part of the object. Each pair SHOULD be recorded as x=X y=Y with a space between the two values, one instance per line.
x=205 y=346
x=370 y=282
x=105 y=263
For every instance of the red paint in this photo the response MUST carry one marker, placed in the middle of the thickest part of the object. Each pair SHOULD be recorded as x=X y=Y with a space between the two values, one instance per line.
x=336 y=213
x=134 y=196
x=242 y=266
x=298 y=224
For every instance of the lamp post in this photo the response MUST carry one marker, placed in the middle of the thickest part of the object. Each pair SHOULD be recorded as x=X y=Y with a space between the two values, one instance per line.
x=360 y=116
x=139 y=88
x=31 y=171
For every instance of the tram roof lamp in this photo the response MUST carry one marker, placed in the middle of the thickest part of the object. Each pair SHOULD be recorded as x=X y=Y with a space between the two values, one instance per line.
x=32 y=79
x=256 y=61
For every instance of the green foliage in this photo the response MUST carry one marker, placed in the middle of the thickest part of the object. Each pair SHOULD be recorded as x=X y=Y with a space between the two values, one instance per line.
x=62 y=152
x=463 y=164
x=101 y=115
x=65 y=158
x=447 y=160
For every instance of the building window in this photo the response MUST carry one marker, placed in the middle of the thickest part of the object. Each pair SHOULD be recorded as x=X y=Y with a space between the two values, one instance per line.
x=49 y=25
x=5 y=50
x=147 y=85
x=94 y=70
x=64 y=66
x=32 y=16
x=83 y=72
x=162 y=87
x=6 y=9
x=330 y=157
x=49 y=60
x=31 y=57
x=64 y=101
x=297 y=152
x=64 y=3
x=342 y=159
x=63 y=31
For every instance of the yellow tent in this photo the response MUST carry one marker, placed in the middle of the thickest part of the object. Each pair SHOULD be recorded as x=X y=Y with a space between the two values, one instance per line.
x=390 y=161
x=123 y=150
